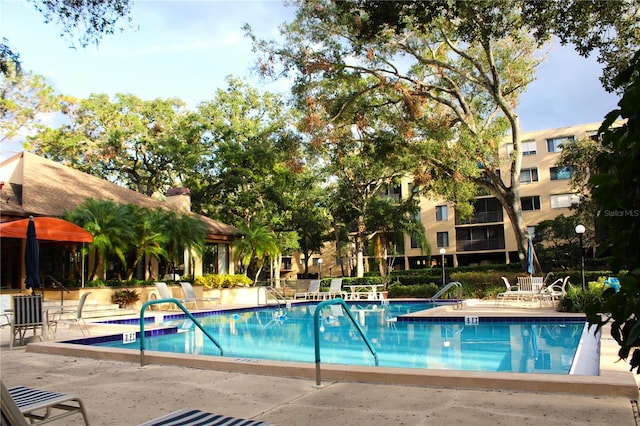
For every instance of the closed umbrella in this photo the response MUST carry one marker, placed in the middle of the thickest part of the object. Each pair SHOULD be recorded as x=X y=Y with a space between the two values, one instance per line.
x=31 y=258
x=530 y=266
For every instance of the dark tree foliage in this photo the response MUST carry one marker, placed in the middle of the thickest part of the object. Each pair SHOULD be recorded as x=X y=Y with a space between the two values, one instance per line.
x=616 y=190
x=556 y=243
x=8 y=58
x=610 y=28
x=88 y=20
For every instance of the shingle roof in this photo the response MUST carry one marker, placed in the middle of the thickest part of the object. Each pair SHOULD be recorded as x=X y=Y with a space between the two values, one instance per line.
x=49 y=188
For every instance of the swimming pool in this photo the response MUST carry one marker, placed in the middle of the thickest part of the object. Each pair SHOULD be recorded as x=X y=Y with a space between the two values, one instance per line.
x=543 y=345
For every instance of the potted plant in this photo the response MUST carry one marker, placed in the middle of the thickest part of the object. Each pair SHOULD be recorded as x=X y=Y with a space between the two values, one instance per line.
x=125 y=297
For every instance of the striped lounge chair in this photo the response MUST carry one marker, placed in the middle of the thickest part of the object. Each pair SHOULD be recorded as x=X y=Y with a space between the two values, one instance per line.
x=191 y=417
x=22 y=406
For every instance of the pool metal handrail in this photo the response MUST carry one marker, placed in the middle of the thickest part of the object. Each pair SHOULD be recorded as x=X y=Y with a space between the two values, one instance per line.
x=270 y=291
x=447 y=287
x=186 y=312
x=316 y=331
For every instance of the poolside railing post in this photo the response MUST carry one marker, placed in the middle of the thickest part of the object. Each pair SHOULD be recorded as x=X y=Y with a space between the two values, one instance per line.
x=316 y=340
x=316 y=332
x=186 y=312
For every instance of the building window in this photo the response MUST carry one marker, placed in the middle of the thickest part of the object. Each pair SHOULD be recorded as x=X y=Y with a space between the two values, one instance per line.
x=560 y=173
x=485 y=210
x=474 y=238
x=594 y=135
x=528 y=148
x=442 y=213
x=556 y=144
x=287 y=264
x=414 y=243
x=442 y=239
x=529 y=175
x=530 y=203
x=561 y=201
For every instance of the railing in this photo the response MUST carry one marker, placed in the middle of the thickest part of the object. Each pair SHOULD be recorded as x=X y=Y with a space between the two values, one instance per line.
x=59 y=284
x=276 y=295
x=316 y=330
x=187 y=313
x=448 y=287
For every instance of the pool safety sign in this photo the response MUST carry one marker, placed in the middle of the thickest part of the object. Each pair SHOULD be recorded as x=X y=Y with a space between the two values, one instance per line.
x=471 y=320
x=129 y=337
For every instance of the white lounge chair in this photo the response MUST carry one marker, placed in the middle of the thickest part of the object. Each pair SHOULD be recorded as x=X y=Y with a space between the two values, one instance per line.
x=557 y=289
x=312 y=292
x=335 y=290
x=165 y=293
x=72 y=315
x=190 y=295
x=512 y=292
x=22 y=406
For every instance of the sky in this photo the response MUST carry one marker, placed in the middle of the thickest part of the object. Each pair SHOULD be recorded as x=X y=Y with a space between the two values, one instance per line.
x=187 y=49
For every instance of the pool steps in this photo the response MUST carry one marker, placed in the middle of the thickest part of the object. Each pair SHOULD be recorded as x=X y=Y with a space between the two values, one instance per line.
x=91 y=310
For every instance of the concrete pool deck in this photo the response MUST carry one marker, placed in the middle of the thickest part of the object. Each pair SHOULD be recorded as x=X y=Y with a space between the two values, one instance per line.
x=118 y=392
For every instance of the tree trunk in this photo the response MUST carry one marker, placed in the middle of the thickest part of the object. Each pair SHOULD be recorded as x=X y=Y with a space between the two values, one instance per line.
x=277 y=266
x=360 y=247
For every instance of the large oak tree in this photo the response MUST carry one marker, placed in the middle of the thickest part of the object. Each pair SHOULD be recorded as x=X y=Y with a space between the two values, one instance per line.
x=448 y=102
x=455 y=67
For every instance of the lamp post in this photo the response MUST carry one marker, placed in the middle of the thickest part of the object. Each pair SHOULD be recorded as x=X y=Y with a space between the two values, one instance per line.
x=442 y=252
x=320 y=266
x=580 y=231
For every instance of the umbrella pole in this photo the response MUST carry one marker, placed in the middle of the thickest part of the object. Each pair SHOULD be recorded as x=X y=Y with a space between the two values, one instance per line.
x=82 y=256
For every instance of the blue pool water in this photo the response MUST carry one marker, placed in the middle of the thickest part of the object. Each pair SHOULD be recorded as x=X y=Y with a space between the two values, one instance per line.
x=287 y=334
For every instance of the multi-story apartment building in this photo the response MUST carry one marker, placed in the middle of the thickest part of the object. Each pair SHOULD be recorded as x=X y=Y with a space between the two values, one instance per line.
x=488 y=237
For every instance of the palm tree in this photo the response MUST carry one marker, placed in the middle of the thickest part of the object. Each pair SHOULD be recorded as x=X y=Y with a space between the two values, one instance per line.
x=149 y=238
x=111 y=225
x=183 y=232
x=257 y=242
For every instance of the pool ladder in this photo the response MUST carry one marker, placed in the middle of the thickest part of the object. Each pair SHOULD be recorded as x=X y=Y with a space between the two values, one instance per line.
x=446 y=288
x=186 y=312
x=276 y=295
x=316 y=328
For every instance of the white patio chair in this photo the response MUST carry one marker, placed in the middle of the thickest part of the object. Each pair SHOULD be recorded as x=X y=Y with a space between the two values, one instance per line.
x=312 y=292
x=190 y=295
x=70 y=315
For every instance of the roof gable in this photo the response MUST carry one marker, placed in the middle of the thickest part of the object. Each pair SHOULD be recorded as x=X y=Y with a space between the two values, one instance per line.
x=50 y=188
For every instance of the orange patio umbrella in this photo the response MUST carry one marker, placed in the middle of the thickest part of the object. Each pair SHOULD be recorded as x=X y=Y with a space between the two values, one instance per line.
x=49 y=229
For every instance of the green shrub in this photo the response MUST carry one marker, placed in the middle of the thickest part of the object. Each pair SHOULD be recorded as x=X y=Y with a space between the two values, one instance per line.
x=577 y=301
x=210 y=281
x=397 y=290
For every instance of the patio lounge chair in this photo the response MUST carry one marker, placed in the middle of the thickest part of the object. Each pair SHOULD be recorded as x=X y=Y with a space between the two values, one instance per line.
x=22 y=406
x=165 y=293
x=190 y=295
x=335 y=290
x=512 y=292
x=55 y=317
x=27 y=315
x=312 y=292
x=557 y=289
x=192 y=417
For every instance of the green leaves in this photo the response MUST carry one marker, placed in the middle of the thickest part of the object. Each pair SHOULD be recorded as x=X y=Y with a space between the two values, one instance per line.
x=146 y=145
x=133 y=233
x=621 y=311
